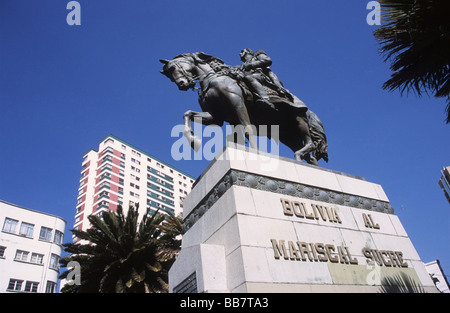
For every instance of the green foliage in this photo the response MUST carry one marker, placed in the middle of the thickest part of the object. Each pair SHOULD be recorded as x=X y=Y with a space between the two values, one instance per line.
x=400 y=283
x=125 y=256
x=415 y=37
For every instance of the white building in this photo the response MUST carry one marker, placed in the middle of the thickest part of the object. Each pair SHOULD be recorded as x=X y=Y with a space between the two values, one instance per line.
x=438 y=276
x=444 y=182
x=121 y=174
x=30 y=249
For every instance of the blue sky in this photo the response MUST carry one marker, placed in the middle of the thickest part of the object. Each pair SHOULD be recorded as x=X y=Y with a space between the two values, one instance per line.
x=64 y=88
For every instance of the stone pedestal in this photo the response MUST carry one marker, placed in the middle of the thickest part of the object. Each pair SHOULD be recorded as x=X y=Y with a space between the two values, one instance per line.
x=258 y=223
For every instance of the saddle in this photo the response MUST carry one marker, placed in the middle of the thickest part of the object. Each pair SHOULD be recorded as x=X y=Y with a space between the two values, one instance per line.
x=281 y=99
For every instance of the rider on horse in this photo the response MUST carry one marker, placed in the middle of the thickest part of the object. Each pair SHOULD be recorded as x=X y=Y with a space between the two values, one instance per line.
x=256 y=68
x=225 y=85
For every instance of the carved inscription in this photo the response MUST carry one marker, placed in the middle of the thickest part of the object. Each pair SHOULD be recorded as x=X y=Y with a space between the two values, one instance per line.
x=368 y=221
x=321 y=252
x=315 y=211
x=314 y=252
x=386 y=258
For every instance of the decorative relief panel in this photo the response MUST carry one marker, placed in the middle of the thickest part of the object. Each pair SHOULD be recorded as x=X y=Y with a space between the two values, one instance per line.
x=239 y=178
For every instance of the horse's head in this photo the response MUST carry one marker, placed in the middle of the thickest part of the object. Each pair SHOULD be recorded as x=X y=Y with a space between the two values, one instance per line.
x=180 y=70
x=185 y=69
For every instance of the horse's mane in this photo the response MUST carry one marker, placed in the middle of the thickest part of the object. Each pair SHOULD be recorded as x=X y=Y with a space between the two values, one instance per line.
x=200 y=57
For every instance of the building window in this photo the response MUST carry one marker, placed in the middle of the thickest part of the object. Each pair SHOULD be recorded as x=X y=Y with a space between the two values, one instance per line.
x=135 y=161
x=2 y=251
x=103 y=204
x=31 y=286
x=51 y=287
x=54 y=261
x=21 y=255
x=107 y=158
x=105 y=175
x=134 y=194
x=108 y=150
x=104 y=184
x=10 y=225
x=26 y=230
x=15 y=284
x=104 y=194
x=134 y=185
x=135 y=169
x=106 y=167
x=58 y=237
x=45 y=234
x=37 y=258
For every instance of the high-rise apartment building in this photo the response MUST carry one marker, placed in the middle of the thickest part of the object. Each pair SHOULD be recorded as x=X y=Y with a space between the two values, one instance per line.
x=444 y=182
x=119 y=173
x=30 y=249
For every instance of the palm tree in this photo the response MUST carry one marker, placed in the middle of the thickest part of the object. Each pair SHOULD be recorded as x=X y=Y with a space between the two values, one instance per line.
x=416 y=39
x=400 y=283
x=124 y=256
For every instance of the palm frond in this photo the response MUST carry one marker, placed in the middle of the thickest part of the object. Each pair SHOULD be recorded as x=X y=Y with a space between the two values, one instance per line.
x=415 y=39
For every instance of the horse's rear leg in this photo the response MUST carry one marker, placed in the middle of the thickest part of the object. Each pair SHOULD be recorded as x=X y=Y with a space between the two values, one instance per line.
x=311 y=160
x=237 y=102
x=308 y=144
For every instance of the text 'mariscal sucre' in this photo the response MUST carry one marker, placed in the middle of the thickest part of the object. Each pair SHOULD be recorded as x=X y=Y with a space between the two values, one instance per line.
x=325 y=252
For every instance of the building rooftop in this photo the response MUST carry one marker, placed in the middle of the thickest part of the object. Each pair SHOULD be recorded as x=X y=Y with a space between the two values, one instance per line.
x=145 y=153
x=40 y=212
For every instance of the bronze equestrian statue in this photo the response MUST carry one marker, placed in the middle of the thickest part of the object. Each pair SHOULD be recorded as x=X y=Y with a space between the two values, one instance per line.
x=249 y=95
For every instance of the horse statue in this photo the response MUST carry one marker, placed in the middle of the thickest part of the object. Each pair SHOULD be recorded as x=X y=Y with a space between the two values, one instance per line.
x=223 y=97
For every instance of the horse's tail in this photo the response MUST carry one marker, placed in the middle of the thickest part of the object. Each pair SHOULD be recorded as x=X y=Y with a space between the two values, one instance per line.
x=318 y=136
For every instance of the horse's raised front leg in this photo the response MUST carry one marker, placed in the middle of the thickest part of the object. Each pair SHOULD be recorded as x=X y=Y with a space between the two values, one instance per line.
x=200 y=117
